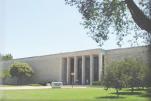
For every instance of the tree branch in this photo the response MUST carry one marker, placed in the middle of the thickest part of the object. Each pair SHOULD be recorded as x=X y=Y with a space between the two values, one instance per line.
x=139 y=17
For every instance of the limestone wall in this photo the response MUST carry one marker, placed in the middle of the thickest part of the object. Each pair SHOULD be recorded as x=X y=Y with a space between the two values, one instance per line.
x=141 y=53
x=49 y=67
x=46 y=68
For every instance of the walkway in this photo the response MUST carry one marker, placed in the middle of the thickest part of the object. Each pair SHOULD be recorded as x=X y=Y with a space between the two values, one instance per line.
x=35 y=87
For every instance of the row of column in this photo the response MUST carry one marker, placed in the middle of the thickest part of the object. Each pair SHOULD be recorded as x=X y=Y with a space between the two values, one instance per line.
x=83 y=69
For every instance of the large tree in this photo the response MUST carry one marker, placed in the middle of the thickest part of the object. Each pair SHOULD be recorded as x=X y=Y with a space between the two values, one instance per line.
x=119 y=17
x=21 y=71
x=126 y=73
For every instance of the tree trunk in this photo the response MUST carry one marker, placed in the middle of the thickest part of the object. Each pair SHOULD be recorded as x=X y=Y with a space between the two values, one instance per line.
x=117 y=93
x=150 y=8
x=132 y=89
x=18 y=83
x=139 y=17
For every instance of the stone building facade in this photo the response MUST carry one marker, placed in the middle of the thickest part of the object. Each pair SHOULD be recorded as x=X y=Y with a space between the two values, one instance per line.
x=80 y=67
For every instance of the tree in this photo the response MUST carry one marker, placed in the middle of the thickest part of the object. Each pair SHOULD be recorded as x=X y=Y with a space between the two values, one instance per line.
x=128 y=73
x=145 y=77
x=4 y=74
x=103 y=17
x=133 y=73
x=7 y=57
x=112 y=77
x=21 y=71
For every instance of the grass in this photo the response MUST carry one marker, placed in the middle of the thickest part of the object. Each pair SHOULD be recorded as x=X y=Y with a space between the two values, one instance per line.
x=76 y=94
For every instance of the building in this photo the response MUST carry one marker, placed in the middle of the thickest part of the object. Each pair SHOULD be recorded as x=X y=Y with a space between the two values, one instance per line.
x=80 y=67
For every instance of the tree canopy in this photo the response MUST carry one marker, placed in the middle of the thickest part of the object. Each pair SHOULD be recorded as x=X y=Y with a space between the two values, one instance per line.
x=21 y=70
x=118 y=17
x=128 y=73
x=7 y=57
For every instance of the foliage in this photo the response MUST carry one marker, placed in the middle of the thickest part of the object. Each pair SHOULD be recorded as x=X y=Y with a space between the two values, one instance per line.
x=34 y=85
x=133 y=73
x=7 y=57
x=4 y=74
x=146 y=80
x=127 y=73
x=96 y=83
x=106 y=17
x=21 y=71
x=112 y=77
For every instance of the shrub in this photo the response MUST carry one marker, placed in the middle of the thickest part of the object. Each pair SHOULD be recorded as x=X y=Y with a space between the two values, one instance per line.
x=96 y=83
x=34 y=85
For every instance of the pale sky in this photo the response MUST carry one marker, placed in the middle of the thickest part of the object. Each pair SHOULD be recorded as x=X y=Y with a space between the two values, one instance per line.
x=40 y=27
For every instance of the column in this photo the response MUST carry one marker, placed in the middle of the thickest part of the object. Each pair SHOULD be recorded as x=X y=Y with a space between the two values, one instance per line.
x=100 y=66
x=62 y=70
x=68 y=70
x=83 y=70
x=75 y=69
x=91 y=69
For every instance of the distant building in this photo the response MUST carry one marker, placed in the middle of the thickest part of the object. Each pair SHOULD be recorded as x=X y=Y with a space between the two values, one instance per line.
x=80 y=67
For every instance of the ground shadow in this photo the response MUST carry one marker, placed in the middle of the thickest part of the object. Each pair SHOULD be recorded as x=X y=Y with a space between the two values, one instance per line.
x=147 y=94
x=138 y=89
x=129 y=93
x=110 y=97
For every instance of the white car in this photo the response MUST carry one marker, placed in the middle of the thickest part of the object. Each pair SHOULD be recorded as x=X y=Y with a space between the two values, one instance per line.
x=56 y=84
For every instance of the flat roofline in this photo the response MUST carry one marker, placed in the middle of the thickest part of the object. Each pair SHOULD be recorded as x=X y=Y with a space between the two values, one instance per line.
x=127 y=48
x=81 y=51
x=59 y=53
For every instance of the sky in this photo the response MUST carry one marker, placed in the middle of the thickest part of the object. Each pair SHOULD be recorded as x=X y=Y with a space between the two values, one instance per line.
x=40 y=27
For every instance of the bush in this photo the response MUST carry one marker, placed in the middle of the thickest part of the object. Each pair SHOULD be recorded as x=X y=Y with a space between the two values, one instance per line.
x=96 y=83
x=34 y=85
x=44 y=83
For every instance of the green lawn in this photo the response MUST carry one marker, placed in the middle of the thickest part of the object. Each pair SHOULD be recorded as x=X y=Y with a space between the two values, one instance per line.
x=76 y=94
